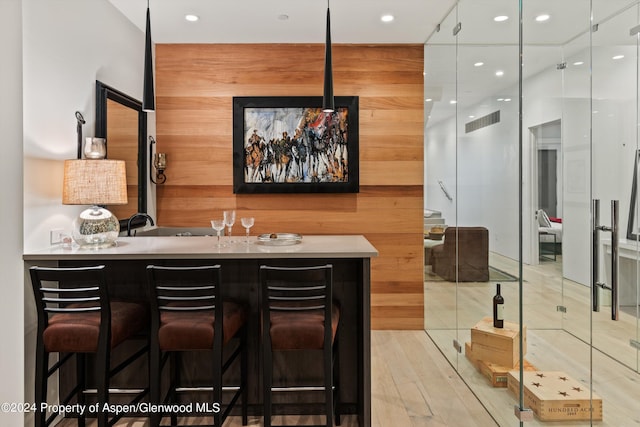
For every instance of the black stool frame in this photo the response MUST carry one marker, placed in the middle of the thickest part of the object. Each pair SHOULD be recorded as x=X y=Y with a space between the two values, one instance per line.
x=85 y=289
x=192 y=289
x=300 y=289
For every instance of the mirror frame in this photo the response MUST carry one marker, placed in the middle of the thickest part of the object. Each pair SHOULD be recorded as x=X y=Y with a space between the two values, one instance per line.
x=103 y=93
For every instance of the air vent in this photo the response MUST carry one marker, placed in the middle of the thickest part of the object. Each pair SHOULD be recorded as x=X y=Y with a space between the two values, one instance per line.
x=482 y=122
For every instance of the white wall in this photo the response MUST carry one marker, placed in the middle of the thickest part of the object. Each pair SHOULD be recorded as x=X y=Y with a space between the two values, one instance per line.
x=11 y=303
x=480 y=171
x=68 y=45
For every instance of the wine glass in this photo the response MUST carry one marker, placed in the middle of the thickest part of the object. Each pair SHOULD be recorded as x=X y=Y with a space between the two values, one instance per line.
x=218 y=225
x=229 y=220
x=247 y=223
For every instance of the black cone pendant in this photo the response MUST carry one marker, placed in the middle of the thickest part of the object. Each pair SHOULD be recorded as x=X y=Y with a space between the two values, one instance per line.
x=148 y=96
x=327 y=99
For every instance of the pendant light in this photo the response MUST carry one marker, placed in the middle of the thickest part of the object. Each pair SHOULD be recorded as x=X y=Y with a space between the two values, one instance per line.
x=148 y=96
x=328 y=105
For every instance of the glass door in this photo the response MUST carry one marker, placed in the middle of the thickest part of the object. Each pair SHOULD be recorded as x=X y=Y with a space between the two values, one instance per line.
x=615 y=251
x=441 y=182
x=575 y=131
x=488 y=171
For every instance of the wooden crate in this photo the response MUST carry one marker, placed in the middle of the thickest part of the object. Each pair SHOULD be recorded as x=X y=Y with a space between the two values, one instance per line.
x=554 y=396
x=496 y=374
x=469 y=353
x=499 y=346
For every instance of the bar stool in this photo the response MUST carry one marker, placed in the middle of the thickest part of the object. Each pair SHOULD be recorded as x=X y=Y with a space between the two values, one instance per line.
x=188 y=314
x=76 y=316
x=298 y=313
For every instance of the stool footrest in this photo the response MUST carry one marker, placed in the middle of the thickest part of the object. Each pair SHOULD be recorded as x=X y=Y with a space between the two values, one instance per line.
x=303 y=425
x=299 y=388
x=118 y=390
x=224 y=388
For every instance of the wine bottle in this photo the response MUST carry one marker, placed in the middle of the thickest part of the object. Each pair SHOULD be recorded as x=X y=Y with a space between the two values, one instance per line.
x=498 y=309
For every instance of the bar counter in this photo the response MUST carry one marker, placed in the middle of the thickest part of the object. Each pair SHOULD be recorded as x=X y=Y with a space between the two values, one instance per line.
x=204 y=247
x=350 y=256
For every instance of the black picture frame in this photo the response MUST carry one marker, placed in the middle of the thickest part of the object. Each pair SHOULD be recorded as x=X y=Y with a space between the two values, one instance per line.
x=281 y=145
x=631 y=224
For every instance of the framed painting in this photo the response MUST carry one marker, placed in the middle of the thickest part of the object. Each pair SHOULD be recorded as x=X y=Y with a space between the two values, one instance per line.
x=289 y=145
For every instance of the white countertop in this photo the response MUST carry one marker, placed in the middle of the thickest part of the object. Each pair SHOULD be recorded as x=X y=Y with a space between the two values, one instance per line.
x=204 y=247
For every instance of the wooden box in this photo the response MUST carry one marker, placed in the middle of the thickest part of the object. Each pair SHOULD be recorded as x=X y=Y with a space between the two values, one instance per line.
x=554 y=396
x=469 y=354
x=499 y=346
x=496 y=374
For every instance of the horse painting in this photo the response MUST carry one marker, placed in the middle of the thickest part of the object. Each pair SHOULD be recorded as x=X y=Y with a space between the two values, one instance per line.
x=295 y=145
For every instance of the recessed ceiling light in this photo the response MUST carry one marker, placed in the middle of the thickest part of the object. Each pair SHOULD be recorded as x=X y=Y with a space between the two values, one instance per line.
x=453 y=101
x=578 y=63
x=387 y=18
x=507 y=100
x=478 y=64
x=428 y=100
x=500 y=99
x=499 y=73
x=618 y=57
x=542 y=18
x=283 y=17
x=191 y=18
x=501 y=18
x=471 y=117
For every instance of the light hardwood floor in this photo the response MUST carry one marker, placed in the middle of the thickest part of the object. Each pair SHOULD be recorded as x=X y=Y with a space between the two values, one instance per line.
x=556 y=341
x=413 y=385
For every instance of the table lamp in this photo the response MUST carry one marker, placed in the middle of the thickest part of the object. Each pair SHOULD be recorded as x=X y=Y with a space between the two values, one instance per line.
x=96 y=183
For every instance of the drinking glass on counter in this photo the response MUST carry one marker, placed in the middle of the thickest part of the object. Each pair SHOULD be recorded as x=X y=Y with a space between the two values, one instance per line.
x=218 y=225
x=229 y=220
x=247 y=223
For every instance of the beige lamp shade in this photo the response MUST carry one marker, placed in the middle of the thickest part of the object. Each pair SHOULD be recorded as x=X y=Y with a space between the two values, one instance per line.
x=94 y=182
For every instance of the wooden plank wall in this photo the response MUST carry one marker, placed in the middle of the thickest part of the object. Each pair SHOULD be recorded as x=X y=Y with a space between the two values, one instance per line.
x=195 y=85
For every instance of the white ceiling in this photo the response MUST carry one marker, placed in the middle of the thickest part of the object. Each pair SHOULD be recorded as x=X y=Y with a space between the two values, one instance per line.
x=358 y=21
x=449 y=60
x=258 y=21
x=449 y=70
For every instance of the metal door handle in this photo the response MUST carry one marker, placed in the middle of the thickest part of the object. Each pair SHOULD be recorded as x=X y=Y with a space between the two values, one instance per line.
x=615 y=266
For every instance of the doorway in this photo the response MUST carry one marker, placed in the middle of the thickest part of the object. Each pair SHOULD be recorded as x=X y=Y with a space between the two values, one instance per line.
x=546 y=192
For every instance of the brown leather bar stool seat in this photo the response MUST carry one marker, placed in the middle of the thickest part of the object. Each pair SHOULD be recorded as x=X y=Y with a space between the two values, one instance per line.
x=301 y=331
x=76 y=316
x=188 y=313
x=298 y=313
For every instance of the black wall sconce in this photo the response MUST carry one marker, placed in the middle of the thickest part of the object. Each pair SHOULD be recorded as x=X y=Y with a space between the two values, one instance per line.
x=80 y=121
x=157 y=161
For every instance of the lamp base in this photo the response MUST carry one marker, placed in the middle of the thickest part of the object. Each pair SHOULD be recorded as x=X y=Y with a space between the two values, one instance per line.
x=96 y=228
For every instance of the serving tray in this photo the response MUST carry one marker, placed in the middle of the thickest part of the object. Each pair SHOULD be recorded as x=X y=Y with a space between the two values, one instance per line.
x=279 y=239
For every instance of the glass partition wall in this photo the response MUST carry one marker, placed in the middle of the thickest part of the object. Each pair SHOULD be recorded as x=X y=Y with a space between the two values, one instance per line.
x=523 y=152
